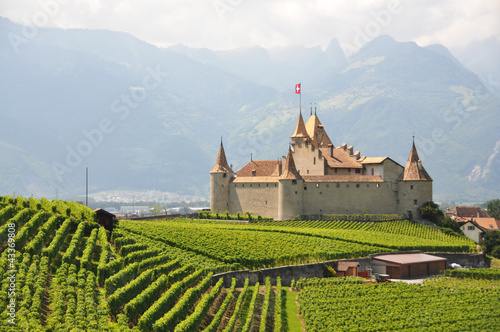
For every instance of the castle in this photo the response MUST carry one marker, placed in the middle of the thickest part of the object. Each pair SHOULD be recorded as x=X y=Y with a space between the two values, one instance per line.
x=318 y=178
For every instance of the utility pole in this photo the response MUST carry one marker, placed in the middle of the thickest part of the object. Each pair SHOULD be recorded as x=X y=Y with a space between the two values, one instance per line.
x=87 y=186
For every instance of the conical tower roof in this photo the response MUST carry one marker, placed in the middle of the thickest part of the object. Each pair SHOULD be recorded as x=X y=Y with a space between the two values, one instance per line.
x=289 y=171
x=221 y=163
x=300 y=128
x=316 y=132
x=414 y=171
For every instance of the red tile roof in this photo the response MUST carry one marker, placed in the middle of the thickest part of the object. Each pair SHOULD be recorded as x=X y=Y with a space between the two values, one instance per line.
x=342 y=178
x=340 y=158
x=289 y=171
x=300 y=129
x=344 y=266
x=414 y=171
x=488 y=223
x=221 y=163
x=372 y=160
x=316 y=132
x=256 y=179
x=468 y=211
x=260 y=168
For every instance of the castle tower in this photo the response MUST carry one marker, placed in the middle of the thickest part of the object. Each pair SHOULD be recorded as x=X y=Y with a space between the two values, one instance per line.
x=220 y=178
x=415 y=186
x=290 y=191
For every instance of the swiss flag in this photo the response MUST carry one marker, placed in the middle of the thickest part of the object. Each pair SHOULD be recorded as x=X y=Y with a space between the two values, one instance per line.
x=297 y=88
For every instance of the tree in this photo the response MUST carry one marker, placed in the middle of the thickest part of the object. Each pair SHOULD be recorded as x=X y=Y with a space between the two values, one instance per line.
x=493 y=208
x=496 y=252
x=491 y=240
x=155 y=209
x=430 y=211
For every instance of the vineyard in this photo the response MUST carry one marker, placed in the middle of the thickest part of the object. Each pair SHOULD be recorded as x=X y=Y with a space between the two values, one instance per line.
x=61 y=271
x=441 y=304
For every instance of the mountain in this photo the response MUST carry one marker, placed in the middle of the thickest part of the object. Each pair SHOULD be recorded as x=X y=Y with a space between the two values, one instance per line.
x=483 y=58
x=140 y=117
x=276 y=67
x=137 y=116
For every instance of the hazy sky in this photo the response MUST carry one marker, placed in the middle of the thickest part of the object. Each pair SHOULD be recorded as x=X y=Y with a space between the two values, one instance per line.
x=227 y=24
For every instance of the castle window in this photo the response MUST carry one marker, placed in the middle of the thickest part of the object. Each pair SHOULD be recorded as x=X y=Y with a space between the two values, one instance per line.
x=357 y=185
x=250 y=184
x=471 y=228
x=266 y=202
x=259 y=185
x=314 y=161
x=373 y=171
x=294 y=181
x=337 y=185
x=307 y=171
x=367 y=185
x=378 y=185
x=327 y=185
x=305 y=188
x=347 y=185
x=415 y=202
x=224 y=175
x=267 y=184
x=411 y=187
x=295 y=192
x=358 y=171
x=242 y=185
x=335 y=170
x=397 y=201
x=349 y=170
x=275 y=184
x=317 y=185
x=235 y=185
x=254 y=173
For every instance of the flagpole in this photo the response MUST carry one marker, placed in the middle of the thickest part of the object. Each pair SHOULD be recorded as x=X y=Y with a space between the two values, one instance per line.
x=300 y=98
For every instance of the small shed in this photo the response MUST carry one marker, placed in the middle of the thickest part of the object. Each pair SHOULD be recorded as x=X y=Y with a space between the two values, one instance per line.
x=105 y=219
x=345 y=269
x=408 y=266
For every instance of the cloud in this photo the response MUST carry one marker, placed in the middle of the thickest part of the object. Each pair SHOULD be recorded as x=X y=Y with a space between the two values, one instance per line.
x=226 y=24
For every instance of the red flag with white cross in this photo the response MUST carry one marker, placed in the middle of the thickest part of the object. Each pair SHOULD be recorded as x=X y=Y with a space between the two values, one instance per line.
x=297 y=88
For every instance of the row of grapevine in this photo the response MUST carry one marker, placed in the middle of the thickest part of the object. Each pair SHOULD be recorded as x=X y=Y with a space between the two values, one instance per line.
x=251 y=309
x=216 y=320
x=15 y=223
x=191 y=323
x=175 y=315
x=278 y=306
x=237 y=307
x=167 y=301
x=53 y=249
x=265 y=306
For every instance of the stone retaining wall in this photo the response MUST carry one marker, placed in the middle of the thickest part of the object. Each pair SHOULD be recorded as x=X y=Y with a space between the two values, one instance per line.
x=316 y=270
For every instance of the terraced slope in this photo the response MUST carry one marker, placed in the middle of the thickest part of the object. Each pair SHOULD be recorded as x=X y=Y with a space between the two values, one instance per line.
x=60 y=270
